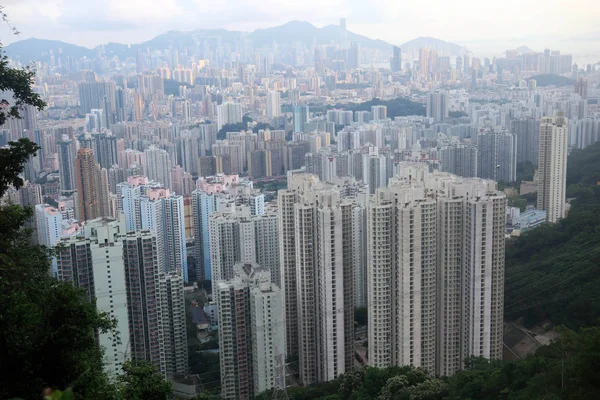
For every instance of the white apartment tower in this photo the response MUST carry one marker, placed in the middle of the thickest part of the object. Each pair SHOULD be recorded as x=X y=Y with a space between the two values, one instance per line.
x=273 y=104
x=159 y=165
x=228 y=113
x=242 y=238
x=123 y=275
x=435 y=262
x=251 y=337
x=320 y=226
x=552 y=167
x=95 y=263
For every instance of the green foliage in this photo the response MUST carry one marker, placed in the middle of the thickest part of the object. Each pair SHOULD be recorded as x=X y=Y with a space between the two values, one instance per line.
x=48 y=327
x=17 y=81
x=59 y=395
x=457 y=114
x=397 y=107
x=172 y=86
x=206 y=364
x=552 y=80
x=553 y=272
x=12 y=162
x=240 y=126
x=583 y=166
x=261 y=125
x=525 y=171
x=566 y=369
x=141 y=381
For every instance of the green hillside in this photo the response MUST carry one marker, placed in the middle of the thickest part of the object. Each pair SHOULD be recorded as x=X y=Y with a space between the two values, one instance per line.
x=553 y=272
x=566 y=369
x=552 y=80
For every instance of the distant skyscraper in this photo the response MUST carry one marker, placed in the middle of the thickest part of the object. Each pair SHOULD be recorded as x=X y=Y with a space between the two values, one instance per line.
x=354 y=56
x=203 y=205
x=158 y=165
x=66 y=165
x=527 y=132
x=497 y=155
x=552 y=167
x=229 y=113
x=437 y=106
x=273 y=105
x=301 y=117
x=343 y=34
x=378 y=113
x=98 y=95
x=459 y=159
x=375 y=169
x=396 y=61
x=424 y=61
x=92 y=187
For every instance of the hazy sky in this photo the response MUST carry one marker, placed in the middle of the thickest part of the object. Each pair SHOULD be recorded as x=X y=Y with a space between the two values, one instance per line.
x=498 y=23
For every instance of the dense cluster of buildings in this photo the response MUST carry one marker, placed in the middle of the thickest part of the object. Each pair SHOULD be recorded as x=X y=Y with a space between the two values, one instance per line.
x=148 y=186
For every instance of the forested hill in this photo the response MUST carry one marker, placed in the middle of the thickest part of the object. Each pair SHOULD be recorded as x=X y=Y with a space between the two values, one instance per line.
x=553 y=272
x=398 y=107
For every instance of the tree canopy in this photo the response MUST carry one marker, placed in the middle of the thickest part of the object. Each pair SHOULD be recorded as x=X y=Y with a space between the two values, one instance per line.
x=566 y=369
x=553 y=272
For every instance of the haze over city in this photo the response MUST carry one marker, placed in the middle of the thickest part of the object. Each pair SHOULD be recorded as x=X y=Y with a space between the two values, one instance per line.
x=512 y=23
x=304 y=200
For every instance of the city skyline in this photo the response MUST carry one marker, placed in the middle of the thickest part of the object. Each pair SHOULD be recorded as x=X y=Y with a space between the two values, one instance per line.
x=111 y=21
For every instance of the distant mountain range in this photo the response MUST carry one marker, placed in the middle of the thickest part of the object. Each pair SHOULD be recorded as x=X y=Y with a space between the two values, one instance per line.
x=284 y=35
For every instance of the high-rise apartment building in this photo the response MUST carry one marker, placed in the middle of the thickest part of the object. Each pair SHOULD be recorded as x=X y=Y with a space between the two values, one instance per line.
x=437 y=106
x=459 y=159
x=435 y=262
x=158 y=165
x=172 y=310
x=552 y=167
x=66 y=165
x=527 y=132
x=92 y=186
x=203 y=205
x=95 y=263
x=396 y=61
x=301 y=118
x=319 y=224
x=374 y=169
x=378 y=113
x=273 y=105
x=98 y=95
x=240 y=237
x=251 y=338
x=49 y=228
x=150 y=206
x=228 y=113
x=497 y=155
x=122 y=274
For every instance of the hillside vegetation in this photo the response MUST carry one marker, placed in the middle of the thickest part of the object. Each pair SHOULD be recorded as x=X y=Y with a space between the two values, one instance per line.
x=552 y=80
x=553 y=272
x=566 y=369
